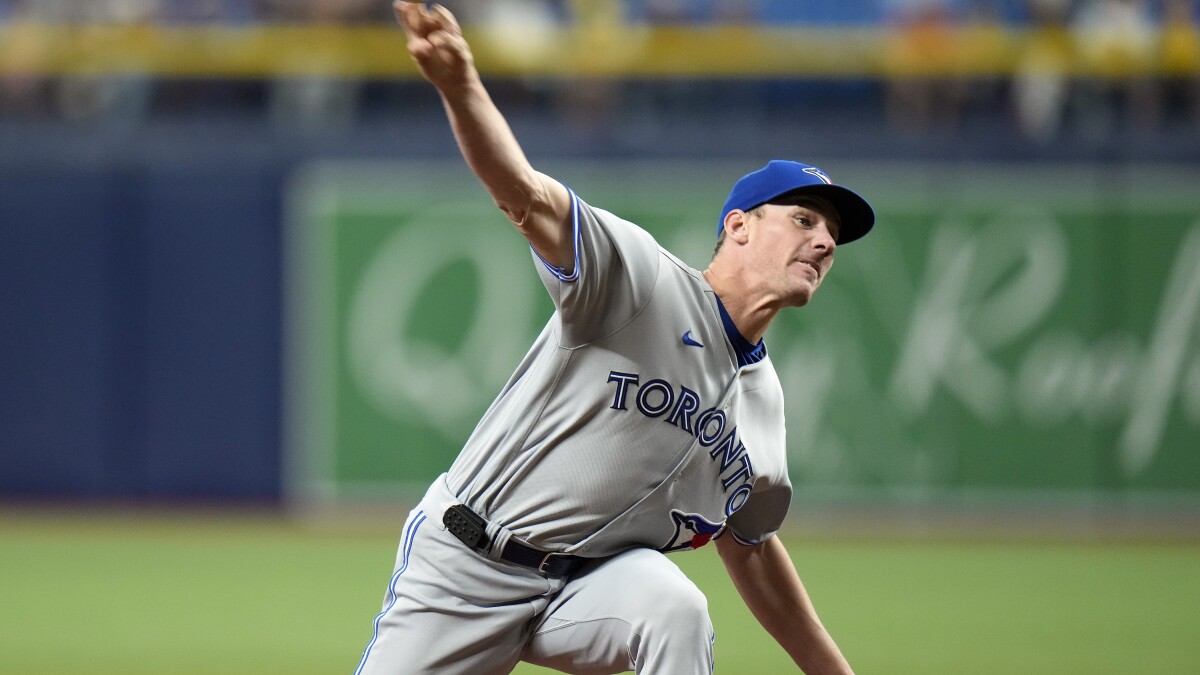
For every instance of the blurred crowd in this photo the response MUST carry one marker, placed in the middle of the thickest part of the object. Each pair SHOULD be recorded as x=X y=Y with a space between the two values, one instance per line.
x=191 y=11
x=1090 y=67
x=1097 y=66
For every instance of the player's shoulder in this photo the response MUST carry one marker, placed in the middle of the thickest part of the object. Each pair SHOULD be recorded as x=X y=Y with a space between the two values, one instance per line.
x=620 y=227
x=628 y=233
x=624 y=234
x=676 y=264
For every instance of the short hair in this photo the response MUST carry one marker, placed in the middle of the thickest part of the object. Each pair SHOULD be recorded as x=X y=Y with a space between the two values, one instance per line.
x=720 y=240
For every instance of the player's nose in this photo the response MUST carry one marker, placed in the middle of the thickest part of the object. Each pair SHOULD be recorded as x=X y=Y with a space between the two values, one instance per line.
x=824 y=241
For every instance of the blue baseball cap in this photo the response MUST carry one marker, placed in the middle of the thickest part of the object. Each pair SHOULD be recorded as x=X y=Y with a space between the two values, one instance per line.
x=781 y=177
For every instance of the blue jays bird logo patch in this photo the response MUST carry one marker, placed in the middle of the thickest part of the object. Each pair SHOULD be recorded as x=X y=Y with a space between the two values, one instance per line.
x=691 y=531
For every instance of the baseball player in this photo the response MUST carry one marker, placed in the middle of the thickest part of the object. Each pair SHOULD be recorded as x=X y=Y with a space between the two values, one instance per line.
x=646 y=418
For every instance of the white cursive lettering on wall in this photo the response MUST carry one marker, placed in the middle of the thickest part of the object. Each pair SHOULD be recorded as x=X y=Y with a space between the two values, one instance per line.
x=403 y=378
x=981 y=292
x=984 y=291
x=1172 y=342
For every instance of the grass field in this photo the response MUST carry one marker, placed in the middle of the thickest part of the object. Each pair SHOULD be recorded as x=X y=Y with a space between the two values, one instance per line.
x=232 y=593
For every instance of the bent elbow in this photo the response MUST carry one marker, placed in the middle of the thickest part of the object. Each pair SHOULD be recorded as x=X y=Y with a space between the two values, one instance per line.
x=520 y=198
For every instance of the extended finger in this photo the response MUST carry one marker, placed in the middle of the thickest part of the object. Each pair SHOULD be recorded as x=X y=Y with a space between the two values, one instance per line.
x=446 y=20
x=415 y=18
x=403 y=10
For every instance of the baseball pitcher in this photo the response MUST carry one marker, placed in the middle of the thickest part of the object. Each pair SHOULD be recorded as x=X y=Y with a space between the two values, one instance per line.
x=646 y=418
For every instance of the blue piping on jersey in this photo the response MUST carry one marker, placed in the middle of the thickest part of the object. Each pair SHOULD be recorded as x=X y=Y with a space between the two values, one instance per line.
x=575 y=238
x=746 y=352
x=410 y=535
x=712 y=641
x=743 y=541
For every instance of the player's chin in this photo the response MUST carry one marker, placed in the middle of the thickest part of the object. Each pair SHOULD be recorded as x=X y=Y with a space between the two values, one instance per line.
x=801 y=295
x=802 y=290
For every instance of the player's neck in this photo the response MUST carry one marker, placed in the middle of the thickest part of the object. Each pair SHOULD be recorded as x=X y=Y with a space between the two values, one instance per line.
x=751 y=313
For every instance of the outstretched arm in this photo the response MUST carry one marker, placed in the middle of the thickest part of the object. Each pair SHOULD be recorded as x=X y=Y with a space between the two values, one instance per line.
x=766 y=579
x=537 y=205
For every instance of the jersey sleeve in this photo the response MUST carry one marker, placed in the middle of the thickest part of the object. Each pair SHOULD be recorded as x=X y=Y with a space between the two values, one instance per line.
x=763 y=514
x=612 y=279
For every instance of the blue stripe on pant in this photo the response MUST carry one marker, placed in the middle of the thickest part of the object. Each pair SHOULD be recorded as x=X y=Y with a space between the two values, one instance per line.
x=410 y=533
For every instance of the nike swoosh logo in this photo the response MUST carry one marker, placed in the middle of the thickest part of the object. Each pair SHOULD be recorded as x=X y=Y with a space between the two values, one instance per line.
x=691 y=341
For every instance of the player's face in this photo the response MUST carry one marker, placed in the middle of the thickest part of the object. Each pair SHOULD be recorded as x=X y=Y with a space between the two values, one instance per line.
x=794 y=247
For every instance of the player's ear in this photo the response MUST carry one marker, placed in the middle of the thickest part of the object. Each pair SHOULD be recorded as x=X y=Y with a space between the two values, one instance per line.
x=735 y=225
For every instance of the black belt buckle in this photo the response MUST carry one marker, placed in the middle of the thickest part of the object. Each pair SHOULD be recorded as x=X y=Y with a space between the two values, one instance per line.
x=468 y=526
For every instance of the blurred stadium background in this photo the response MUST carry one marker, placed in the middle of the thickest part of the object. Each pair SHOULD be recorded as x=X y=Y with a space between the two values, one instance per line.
x=252 y=301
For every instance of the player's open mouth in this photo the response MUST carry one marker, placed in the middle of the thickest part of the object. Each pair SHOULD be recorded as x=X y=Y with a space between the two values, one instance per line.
x=816 y=270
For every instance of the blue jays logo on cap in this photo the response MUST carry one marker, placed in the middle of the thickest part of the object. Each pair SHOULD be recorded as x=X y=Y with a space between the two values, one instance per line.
x=782 y=177
x=819 y=174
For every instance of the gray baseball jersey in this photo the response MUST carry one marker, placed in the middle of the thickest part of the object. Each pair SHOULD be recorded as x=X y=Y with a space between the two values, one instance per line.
x=639 y=421
x=639 y=416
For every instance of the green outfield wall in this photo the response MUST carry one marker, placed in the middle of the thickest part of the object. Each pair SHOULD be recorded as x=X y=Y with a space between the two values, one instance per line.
x=1006 y=334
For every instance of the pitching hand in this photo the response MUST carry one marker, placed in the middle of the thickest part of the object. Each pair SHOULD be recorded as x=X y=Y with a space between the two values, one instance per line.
x=436 y=43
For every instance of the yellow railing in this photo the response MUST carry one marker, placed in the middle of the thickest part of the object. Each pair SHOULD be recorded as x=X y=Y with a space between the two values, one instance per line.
x=616 y=51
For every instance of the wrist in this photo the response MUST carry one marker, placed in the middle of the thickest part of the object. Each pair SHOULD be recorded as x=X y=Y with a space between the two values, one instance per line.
x=464 y=86
x=462 y=91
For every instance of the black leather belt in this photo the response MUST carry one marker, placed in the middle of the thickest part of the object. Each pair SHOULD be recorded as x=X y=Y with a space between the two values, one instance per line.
x=471 y=529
